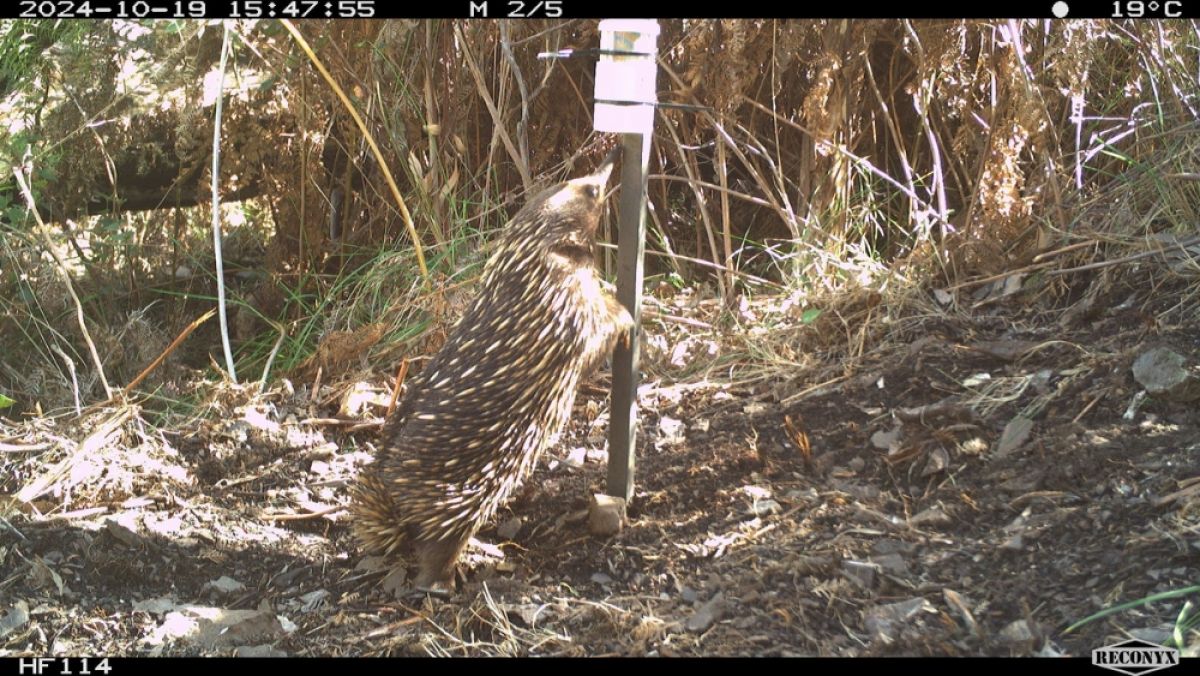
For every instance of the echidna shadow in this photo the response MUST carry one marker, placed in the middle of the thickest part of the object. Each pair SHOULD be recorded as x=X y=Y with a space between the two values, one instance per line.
x=472 y=425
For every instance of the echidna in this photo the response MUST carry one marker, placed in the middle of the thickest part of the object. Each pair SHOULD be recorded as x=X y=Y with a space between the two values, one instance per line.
x=472 y=425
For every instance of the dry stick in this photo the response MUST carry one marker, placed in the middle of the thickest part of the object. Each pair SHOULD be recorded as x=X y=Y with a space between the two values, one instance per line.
x=651 y=313
x=693 y=180
x=1087 y=408
x=362 y=127
x=1190 y=489
x=897 y=142
x=1002 y=275
x=861 y=160
x=1183 y=243
x=499 y=92
x=547 y=71
x=784 y=210
x=302 y=244
x=187 y=331
x=808 y=390
x=712 y=186
x=981 y=167
x=920 y=103
x=351 y=425
x=304 y=516
x=262 y=382
x=400 y=375
x=74 y=378
x=575 y=88
x=66 y=276
x=726 y=235
x=1066 y=249
x=1035 y=92
x=432 y=131
x=497 y=118
x=216 y=208
x=390 y=629
x=700 y=261
x=522 y=90
x=664 y=240
x=889 y=118
x=24 y=448
x=74 y=514
x=94 y=442
x=316 y=391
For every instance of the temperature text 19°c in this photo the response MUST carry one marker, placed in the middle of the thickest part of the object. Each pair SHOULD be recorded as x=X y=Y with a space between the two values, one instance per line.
x=1134 y=9
x=517 y=9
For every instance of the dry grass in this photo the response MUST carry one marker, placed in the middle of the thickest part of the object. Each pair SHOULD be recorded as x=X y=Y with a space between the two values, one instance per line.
x=867 y=164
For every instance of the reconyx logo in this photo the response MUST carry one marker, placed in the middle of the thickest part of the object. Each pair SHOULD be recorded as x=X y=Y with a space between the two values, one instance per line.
x=1135 y=657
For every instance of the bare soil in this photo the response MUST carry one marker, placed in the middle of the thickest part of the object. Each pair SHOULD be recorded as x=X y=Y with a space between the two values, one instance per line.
x=904 y=531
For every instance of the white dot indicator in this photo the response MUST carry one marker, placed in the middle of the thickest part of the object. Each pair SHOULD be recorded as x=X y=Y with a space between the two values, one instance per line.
x=1060 y=9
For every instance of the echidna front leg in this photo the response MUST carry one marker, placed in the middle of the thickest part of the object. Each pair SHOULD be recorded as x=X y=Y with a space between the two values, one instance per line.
x=621 y=322
x=612 y=323
x=436 y=560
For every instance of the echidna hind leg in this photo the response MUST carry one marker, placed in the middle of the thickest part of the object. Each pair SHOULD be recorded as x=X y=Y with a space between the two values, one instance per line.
x=436 y=560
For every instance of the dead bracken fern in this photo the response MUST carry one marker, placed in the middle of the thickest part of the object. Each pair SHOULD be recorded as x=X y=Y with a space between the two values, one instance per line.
x=881 y=155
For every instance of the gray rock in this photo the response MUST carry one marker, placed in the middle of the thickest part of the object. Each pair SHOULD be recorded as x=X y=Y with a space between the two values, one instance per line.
x=671 y=432
x=575 y=458
x=1165 y=374
x=861 y=572
x=226 y=585
x=893 y=564
x=707 y=615
x=934 y=516
x=891 y=546
x=884 y=622
x=1160 y=634
x=606 y=515
x=1019 y=635
x=509 y=529
x=217 y=627
x=155 y=606
x=1016 y=432
x=264 y=650
x=16 y=617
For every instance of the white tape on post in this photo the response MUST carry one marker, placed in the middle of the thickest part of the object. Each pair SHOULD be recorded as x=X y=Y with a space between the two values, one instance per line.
x=625 y=83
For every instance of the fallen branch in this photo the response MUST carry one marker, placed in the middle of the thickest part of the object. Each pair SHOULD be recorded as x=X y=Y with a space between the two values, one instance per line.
x=950 y=407
x=400 y=375
x=1182 y=244
x=187 y=331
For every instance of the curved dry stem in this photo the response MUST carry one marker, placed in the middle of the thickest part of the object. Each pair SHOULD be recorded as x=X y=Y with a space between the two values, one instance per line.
x=362 y=127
